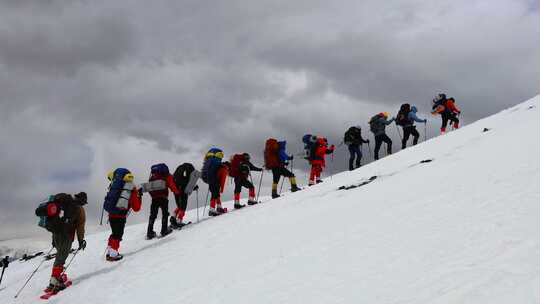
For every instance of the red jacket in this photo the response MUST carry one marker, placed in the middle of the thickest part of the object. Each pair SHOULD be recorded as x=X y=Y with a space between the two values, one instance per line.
x=134 y=204
x=165 y=193
x=320 y=153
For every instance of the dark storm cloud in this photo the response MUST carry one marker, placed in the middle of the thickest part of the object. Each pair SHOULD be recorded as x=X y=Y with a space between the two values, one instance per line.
x=89 y=85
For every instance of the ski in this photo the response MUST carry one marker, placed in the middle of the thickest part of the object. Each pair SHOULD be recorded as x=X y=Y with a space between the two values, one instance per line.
x=358 y=185
x=49 y=293
x=179 y=227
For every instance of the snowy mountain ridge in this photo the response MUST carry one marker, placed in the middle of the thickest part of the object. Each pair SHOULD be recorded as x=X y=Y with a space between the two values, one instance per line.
x=462 y=228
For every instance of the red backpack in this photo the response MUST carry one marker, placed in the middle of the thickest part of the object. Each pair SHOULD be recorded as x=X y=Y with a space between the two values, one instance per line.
x=271 y=159
x=236 y=161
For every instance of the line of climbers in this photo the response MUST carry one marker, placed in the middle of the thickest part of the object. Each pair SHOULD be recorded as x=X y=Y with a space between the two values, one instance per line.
x=64 y=215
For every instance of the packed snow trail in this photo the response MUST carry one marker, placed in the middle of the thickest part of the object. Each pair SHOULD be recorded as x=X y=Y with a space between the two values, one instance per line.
x=463 y=228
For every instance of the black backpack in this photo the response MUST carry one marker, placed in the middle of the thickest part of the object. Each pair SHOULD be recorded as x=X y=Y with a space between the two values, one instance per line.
x=182 y=173
x=352 y=136
x=402 y=118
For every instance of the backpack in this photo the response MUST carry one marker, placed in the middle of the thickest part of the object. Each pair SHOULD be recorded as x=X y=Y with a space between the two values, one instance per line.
x=157 y=181
x=271 y=148
x=237 y=161
x=372 y=123
x=402 y=118
x=42 y=211
x=117 y=198
x=182 y=174
x=212 y=160
x=309 y=144
x=55 y=212
x=352 y=136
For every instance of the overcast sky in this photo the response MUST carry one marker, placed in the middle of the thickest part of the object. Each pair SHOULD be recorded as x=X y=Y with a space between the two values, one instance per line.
x=88 y=86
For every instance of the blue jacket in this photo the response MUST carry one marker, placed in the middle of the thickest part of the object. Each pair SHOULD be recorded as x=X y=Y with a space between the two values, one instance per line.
x=413 y=117
x=282 y=154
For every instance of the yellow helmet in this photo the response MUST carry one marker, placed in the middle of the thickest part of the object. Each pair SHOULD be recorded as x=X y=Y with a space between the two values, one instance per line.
x=386 y=114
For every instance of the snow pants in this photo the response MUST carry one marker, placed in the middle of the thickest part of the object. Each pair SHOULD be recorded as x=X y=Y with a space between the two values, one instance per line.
x=355 y=154
x=117 y=232
x=315 y=173
x=379 y=139
x=407 y=132
x=448 y=116
x=240 y=182
x=163 y=204
x=62 y=243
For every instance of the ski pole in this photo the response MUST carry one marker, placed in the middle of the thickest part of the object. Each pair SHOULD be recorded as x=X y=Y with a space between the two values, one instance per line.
x=32 y=275
x=197 y=205
x=5 y=263
x=260 y=183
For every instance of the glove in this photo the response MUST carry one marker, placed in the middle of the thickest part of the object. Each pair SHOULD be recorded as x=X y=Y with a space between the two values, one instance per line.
x=459 y=112
x=140 y=192
x=196 y=188
x=291 y=157
x=332 y=147
x=425 y=120
x=82 y=245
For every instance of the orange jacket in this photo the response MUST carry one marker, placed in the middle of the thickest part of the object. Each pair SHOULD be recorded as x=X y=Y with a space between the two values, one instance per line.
x=450 y=104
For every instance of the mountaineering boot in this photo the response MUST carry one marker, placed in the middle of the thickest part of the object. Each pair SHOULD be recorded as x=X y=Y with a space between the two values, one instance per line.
x=319 y=181
x=274 y=191
x=212 y=212
x=252 y=202
x=174 y=222
x=114 y=258
x=221 y=210
x=166 y=232
x=294 y=186
x=57 y=281
x=239 y=206
x=150 y=235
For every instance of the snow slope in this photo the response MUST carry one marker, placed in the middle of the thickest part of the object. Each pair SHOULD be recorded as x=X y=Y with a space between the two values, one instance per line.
x=464 y=228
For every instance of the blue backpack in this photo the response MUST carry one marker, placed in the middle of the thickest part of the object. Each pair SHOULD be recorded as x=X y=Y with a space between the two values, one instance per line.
x=160 y=169
x=212 y=160
x=115 y=190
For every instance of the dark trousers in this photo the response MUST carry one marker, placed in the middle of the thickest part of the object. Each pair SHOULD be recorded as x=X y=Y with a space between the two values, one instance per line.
x=407 y=132
x=379 y=139
x=447 y=116
x=213 y=186
x=356 y=153
x=62 y=242
x=117 y=228
x=280 y=171
x=181 y=201
x=240 y=182
x=163 y=204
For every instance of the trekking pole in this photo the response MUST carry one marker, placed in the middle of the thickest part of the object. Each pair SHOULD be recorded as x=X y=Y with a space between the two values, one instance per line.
x=197 y=205
x=5 y=263
x=206 y=201
x=71 y=261
x=425 y=131
x=101 y=220
x=260 y=183
x=32 y=275
x=282 y=182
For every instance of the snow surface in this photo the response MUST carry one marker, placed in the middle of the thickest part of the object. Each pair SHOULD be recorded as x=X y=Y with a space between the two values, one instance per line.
x=464 y=228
